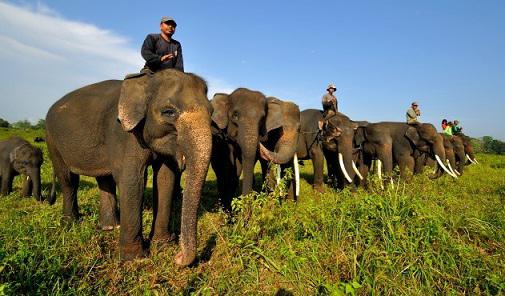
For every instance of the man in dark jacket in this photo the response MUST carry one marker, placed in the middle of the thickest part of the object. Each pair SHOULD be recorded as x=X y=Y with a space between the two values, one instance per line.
x=161 y=51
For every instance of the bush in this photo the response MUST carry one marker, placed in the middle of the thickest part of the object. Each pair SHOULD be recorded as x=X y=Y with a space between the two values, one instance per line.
x=4 y=123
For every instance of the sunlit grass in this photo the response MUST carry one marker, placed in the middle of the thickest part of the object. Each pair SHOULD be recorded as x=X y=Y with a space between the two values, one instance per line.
x=426 y=237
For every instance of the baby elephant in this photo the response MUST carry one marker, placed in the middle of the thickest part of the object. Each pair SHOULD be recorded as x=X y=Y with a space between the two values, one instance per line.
x=18 y=157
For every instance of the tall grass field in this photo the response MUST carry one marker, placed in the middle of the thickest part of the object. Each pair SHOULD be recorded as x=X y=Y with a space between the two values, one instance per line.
x=422 y=237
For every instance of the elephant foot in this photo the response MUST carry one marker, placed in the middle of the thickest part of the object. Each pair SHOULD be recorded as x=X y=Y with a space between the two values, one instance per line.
x=109 y=227
x=319 y=188
x=182 y=259
x=132 y=251
x=165 y=237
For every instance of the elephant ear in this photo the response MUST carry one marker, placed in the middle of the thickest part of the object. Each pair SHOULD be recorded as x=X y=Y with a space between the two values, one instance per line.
x=220 y=104
x=274 y=118
x=12 y=155
x=413 y=135
x=132 y=104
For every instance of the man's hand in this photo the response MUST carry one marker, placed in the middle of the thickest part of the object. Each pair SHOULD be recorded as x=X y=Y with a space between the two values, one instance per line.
x=167 y=57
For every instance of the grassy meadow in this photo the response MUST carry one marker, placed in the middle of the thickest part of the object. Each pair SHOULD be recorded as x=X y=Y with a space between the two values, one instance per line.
x=423 y=237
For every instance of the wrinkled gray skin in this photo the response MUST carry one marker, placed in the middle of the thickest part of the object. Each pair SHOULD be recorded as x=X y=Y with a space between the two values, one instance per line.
x=397 y=143
x=240 y=121
x=113 y=130
x=467 y=143
x=19 y=157
x=338 y=137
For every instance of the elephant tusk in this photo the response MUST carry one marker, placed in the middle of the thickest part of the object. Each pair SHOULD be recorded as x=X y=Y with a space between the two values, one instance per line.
x=342 y=167
x=27 y=178
x=379 y=172
x=457 y=173
x=471 y=161
x=278 y=173
x=297 y=175
x=475 y=159
x=450 y=167
x=356 y=170
x=444 y=167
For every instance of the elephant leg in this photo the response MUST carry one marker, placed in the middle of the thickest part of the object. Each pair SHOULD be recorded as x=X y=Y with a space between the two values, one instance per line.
x=406 y=163
x=318 y=163
x=27 y=186
x=6 y=183
x=164 y=178
x=108 y=203
x=131 y=189
x=69 y=183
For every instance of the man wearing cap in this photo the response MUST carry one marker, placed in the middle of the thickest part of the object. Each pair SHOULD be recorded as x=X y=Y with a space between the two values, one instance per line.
x=412 y=113
x=161 y=51
x=329 y=100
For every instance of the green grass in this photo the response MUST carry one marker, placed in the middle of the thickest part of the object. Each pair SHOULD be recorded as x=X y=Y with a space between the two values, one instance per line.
x=422 y=238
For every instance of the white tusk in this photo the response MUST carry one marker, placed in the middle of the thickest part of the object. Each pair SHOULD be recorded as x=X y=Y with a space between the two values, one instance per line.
x=475 y=159
x=450 y=167
x=356 y=170
x=27 y=178
x=342 y=167
x=444 y=167
x=379 y=172
x=297 y=175
x=457 y=173
x=278 y=173
x=471 y=161
x=379 y=169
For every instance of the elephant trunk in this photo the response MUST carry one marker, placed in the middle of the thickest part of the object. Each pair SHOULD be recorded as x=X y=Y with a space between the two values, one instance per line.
x=287 y=146
x=248 y=141
x=36 y=192
x=195 y=140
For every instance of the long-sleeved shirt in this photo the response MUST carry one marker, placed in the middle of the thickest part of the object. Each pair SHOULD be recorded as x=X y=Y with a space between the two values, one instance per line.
x=412 y=115
x=154 y=47
x=327 y=102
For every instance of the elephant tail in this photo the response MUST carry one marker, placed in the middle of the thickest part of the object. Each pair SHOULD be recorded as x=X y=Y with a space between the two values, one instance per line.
x=52 y=195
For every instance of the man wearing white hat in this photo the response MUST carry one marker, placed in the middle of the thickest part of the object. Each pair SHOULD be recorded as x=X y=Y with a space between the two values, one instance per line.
x=330 y=100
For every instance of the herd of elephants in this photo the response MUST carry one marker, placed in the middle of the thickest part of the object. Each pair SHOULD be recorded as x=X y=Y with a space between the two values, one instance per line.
x=115 y=129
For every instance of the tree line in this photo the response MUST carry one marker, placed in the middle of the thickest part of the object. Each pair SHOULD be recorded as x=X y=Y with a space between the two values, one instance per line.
x=23 y=124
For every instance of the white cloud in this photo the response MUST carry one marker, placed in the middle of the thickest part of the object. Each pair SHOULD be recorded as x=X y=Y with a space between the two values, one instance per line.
x=45 y=55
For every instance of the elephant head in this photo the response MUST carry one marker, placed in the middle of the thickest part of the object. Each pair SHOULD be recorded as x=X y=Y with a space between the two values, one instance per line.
x=247 y=117
x=469 y=153
x=426 y=139
x=459 y=152
x=27 y=160
x=169 y=113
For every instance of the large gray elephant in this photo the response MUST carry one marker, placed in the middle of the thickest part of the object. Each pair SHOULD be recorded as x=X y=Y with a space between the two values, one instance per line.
x=19 y=157
x=396 y=143
x=241 y=120
x=333 y=142
x=113 y=130
x=455 y=157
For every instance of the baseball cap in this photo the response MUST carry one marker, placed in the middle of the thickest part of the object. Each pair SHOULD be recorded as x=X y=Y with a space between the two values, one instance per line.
x=166 y=19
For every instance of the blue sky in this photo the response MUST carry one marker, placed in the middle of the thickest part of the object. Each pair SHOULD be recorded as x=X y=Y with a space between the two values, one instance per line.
x=447 y=55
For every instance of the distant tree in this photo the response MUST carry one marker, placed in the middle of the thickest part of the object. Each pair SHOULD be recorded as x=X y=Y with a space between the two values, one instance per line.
x=497 y=146
x=22 y=124
x=4 y=123
x=41 y=124
x=486 y=144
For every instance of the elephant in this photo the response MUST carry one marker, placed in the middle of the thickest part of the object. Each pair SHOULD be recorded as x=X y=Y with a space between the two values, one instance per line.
x=113 y=130
x=455 y=156
x=339 y=148
x=240 y=121
x=397 y=143
x=19 y=157
x=469 y=153
x=332 y=141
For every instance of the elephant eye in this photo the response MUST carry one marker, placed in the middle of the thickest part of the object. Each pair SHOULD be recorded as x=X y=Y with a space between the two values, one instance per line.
x=169 y=112
x=235 y=115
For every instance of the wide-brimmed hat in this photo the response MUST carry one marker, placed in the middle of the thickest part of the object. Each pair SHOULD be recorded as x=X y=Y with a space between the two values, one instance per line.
x=331 y=85
x=167 y=19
